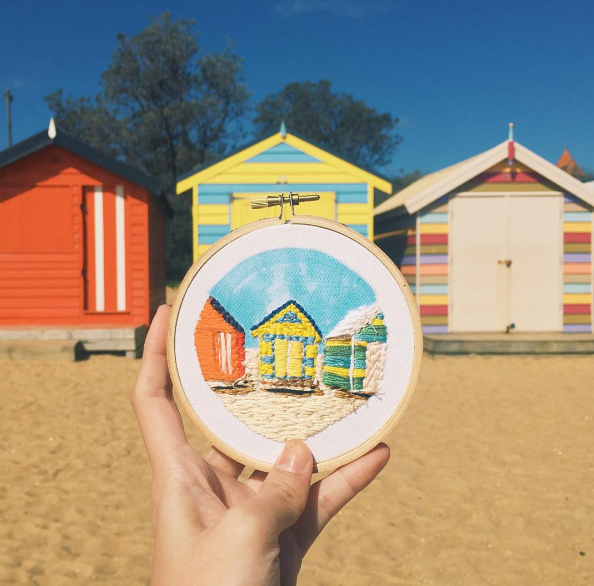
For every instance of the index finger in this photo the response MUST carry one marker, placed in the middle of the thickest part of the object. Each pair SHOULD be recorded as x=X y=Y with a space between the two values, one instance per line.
x=158 y=417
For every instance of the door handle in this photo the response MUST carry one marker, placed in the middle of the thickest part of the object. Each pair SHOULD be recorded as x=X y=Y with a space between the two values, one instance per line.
x=505 y=261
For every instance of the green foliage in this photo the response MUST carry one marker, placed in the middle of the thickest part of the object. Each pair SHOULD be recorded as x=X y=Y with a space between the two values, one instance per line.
x=337 y=122
x=399 y=182
x=165 y=107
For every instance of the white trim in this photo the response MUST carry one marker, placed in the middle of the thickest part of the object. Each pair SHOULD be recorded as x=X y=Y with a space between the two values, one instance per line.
x=500 y=193
x=488 y=159
x=99 y=249
x=120 y=219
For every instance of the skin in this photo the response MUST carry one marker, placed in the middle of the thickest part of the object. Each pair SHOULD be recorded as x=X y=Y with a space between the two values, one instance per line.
x=209 y=527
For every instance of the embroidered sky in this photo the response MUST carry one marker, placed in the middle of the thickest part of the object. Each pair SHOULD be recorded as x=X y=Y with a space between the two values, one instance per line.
x=323 y=286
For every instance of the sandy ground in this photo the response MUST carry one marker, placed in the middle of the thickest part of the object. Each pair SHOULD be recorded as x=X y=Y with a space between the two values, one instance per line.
x=491 y=480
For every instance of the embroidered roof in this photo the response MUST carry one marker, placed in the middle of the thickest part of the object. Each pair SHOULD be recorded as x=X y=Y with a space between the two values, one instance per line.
x=355 y=320
x=290 y=318
x=225 y=314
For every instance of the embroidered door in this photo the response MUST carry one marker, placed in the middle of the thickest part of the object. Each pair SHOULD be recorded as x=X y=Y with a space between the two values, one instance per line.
x=288 y=358
x=223 y=347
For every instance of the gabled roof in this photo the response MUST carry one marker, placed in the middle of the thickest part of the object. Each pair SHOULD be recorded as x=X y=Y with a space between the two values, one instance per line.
x=43 y=139
x=355 y=320
x=280 y=309
x=225 y=314
x=431 y=187
x=567 y=163
x=247 y=152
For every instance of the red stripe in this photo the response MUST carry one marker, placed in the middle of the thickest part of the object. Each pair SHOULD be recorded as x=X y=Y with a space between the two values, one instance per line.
x=577 y=237
x=434 y=238
x=434 y=309
x=584 y=309
x=411 y=239
x=507 y=178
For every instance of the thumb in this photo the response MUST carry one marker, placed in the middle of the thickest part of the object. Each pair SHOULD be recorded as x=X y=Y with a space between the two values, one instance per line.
x=284 y=493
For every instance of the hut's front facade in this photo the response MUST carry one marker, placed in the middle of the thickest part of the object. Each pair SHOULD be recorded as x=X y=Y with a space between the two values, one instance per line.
x=220 y=343
x=500 y=242
x=81 y=238
x=283 y=162
x=354 y=351
x=288 y=347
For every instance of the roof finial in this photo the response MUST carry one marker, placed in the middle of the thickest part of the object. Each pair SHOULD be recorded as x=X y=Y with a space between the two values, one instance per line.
x=51 y=131
x=511 y=150
x=283 y=129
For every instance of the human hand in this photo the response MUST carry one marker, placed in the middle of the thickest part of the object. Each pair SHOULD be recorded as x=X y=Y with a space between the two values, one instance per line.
x=210 y=528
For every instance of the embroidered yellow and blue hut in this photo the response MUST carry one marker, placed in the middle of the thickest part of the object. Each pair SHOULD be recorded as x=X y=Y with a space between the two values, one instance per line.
x=283 y=162
x=288 y=348
x=355 y=351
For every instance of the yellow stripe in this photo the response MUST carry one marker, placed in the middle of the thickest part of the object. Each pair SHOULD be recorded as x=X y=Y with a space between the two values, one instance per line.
x=434 y=299
x=577 y=298
x=354 y=213
x=211 y=214
x=357 y=372
x=311 y=351
x=310 y=371
x=265 y=348
x=335 y=342
x=200 y=249
x=435 y=228
x=266 y=368
x=577 y=227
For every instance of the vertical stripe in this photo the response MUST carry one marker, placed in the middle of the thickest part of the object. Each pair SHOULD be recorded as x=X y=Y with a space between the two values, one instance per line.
x=99 y=250
x=228 y=349
x=418 y=259
x=121 y=247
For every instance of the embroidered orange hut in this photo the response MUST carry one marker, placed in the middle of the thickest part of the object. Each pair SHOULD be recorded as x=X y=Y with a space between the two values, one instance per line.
x=219 y=341
x=288 y=348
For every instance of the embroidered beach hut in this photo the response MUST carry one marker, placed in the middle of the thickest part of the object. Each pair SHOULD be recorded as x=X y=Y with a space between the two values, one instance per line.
x=500 y=242
x=283 y=162
x=288 y=348
x=220 y=343
x=355 y=351
x=82 y=245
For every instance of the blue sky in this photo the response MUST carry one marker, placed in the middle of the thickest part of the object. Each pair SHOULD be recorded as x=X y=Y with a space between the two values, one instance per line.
x=455 y=73
x=323 y=286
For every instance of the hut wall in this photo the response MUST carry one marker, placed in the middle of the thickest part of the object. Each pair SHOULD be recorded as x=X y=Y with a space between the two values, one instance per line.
x=157 y=279
x=577 y=266
x=42 y=259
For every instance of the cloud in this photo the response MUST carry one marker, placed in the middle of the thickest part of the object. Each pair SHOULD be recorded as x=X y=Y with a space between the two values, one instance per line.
x=348 y=8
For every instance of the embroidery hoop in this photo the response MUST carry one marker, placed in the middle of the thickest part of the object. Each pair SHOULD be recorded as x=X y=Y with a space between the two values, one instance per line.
x=372 y=440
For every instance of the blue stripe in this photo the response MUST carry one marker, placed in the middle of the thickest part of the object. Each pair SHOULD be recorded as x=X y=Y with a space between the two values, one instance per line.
x=434 y=289
x=437 y=218
x=210 y=233
x=267 y=359
x=308 y=362
x=351 y=196
x=213 y=198
x=577 y=217
x=307 y=340
x=218 y=229
x=577 y=288
x=413 y=288
x=361 y=228
x=218 y=188
x=409 y=260
x=435 y=329
x=577 y=328
x=283 y=153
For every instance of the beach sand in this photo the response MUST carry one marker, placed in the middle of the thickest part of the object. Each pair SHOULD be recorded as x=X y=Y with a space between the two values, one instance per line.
x=490 y=482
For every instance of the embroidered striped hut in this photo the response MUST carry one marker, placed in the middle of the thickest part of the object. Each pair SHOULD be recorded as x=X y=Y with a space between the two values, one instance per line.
x=500 y=242
x=355 y=351
x=220 y=343
x=288 y=348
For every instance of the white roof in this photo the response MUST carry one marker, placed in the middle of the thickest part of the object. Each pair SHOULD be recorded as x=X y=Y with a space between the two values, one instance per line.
x=431 y=187
x=355 y=320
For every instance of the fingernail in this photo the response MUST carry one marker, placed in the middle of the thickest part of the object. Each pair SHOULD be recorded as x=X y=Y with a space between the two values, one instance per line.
x=294 y=457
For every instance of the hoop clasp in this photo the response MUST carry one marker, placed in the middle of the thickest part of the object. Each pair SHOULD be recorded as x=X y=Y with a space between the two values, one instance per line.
x=293 y=199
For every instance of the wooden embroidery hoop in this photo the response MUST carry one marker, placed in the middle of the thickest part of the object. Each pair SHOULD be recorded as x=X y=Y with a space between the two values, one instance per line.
x=372 y=441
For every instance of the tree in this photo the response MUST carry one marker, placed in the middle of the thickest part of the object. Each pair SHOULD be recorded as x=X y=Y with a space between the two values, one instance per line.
x=165 y=107
x=338 y=122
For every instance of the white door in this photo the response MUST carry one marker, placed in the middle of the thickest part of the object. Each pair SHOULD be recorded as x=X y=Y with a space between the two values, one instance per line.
x=505 y=263
x=477 y=243
x=536 y=248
